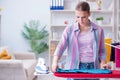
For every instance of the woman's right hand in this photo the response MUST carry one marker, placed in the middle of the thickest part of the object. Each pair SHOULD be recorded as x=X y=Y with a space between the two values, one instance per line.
x=54 y=67
x=55 y=63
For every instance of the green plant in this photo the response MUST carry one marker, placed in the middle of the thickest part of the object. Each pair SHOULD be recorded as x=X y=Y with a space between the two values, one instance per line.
x=99 y=18
x=36 y=35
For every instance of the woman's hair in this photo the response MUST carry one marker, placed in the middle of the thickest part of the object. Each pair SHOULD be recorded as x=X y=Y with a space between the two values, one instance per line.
x=83 y=6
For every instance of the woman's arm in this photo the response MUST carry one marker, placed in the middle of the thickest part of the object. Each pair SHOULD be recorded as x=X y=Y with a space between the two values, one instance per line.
x=102 y=52
x=55 y=63
x=60 y=49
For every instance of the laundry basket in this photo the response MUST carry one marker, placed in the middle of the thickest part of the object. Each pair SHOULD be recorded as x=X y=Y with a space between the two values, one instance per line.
x=108 y=48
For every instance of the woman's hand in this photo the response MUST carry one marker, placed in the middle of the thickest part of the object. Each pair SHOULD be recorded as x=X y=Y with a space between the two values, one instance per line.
x=103 y=65
x=55 y=63
x=54 y=67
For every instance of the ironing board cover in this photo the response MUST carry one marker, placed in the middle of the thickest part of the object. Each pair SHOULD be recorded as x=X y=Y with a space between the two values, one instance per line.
x=113 y=74
x=94 y=71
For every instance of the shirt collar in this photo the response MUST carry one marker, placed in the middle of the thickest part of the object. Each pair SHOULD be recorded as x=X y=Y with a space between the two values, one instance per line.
x=92 y=25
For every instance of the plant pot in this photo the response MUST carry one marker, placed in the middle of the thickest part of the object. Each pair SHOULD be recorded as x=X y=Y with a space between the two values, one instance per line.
x=99 y=22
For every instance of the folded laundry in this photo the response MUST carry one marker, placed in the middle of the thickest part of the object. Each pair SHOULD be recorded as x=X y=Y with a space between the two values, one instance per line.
x=93 y=71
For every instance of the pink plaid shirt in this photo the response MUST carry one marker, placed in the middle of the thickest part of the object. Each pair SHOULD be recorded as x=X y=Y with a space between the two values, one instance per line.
x=69 y=40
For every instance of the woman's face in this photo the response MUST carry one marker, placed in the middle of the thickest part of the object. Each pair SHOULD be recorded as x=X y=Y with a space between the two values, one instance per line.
x=82 y=17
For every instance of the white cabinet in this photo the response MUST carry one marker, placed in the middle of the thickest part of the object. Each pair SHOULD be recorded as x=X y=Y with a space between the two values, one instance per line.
x=60 y=18
x=118 y=21
x=0 y=29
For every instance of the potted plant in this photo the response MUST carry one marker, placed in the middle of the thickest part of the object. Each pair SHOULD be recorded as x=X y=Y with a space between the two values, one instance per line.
x=99 y=20
x=37 y=36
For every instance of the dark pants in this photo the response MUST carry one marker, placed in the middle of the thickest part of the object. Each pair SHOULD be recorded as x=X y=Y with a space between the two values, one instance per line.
x=85 y=66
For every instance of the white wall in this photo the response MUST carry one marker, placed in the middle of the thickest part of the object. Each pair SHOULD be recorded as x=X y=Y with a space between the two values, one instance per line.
x=14 y=14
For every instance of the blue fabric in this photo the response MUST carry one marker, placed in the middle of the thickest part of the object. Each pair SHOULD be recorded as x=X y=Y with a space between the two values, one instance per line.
x=92 y=71
x=86 y=66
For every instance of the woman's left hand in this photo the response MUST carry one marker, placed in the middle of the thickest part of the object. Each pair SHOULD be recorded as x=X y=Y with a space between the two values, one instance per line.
x=105 y=66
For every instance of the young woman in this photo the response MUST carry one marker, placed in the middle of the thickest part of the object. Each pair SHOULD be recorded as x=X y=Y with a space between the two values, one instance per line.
x=84 y=41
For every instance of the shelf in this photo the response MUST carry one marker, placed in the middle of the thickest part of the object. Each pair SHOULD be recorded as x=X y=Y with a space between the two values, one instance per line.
x=101 y=11
x=106 y=25
x=94 y=11
x=57 y=27
x=61 y=27
x=62 y=11
x=54 y=41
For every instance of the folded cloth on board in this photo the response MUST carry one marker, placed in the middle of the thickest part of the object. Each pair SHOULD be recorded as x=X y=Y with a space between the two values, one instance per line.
x=92 y=71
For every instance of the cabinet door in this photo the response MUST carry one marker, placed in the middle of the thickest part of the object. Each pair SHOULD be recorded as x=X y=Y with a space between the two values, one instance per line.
x=0 y=29
x=118 y=21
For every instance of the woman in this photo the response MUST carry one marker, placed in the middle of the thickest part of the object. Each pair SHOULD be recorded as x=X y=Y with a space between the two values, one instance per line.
x=84 y=41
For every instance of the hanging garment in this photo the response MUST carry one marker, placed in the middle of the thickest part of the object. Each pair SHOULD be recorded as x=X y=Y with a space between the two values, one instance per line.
x=117 y=56
x=112 y=57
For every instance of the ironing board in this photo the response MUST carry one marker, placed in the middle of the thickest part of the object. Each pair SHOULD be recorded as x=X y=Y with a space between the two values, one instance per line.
x=114 y=74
